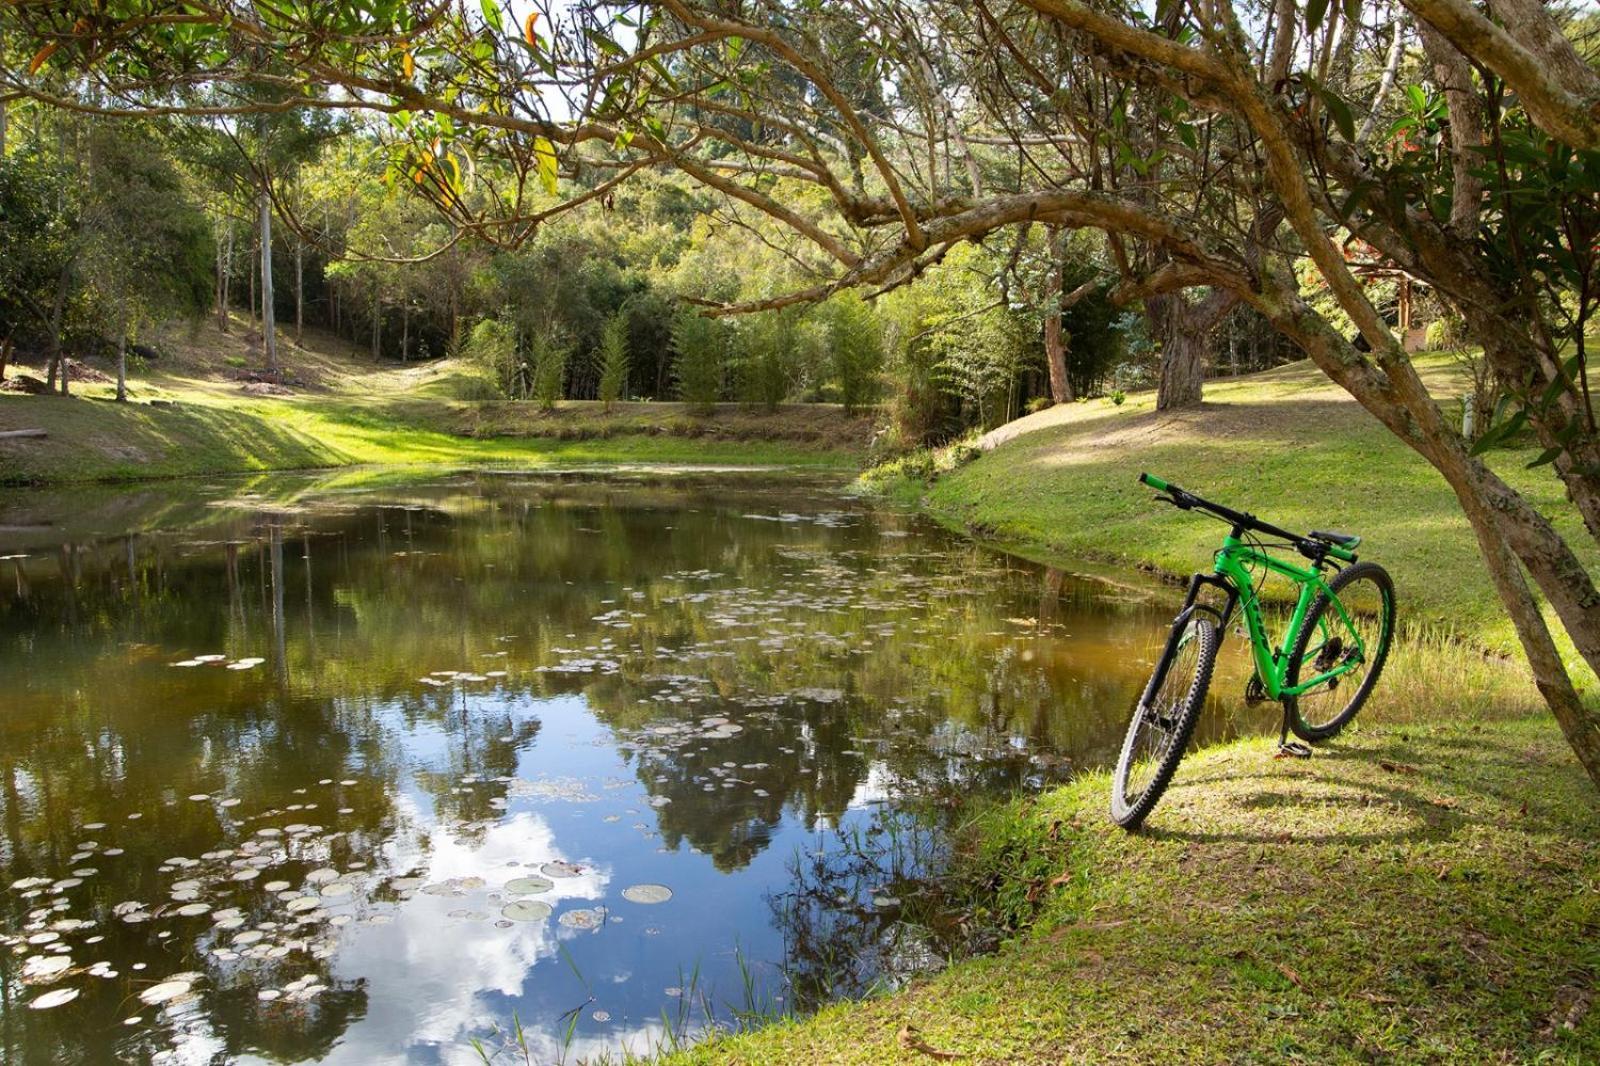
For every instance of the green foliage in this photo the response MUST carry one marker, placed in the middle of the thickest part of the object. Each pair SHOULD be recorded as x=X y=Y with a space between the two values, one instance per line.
x=767 y=346
x=548 y=355
x=700 y=348
x=1445 y=332
x=855 y=342
x=614 y=359
x=1095 y=330
x=492 y=344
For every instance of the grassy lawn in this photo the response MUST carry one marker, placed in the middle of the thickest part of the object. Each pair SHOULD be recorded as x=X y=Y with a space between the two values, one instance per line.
x=1412 y=894
x=1286 y=445
x=190 y=415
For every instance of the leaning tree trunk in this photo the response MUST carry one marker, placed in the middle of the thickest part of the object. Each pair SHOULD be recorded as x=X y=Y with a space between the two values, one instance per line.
x=269 y=337
x=1508 y=529
x=299 y=292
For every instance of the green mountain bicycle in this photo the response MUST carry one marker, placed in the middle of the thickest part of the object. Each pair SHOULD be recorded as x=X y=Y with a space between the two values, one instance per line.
x=1337 y=641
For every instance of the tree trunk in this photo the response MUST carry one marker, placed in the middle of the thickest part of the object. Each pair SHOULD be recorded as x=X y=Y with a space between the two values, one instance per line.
x=58 y=310
x=1055 y=343
x=255 y=255
x=6 y=349
x=1184 y=331
x=1507 y=527
x=223 y=318
x=299 y=292
x=122 y=364
x=405 y=333
x=377 y=325
x=269 y=338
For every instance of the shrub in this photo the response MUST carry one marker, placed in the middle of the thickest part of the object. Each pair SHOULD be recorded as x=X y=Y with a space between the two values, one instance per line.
x=700 y=349
x=855 y=340
x=492 y=345
x=1447 y=331
x=549 y=360
x=1118 y=397
x=763 y=371
x=1040 y=403
x=614 y=359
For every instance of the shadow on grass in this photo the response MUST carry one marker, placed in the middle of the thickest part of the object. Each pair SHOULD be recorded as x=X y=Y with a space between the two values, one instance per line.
x=1435 y=787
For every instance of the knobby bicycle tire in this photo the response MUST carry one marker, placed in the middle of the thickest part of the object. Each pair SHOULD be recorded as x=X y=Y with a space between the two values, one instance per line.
x=1312 y=731
x=1168 y=716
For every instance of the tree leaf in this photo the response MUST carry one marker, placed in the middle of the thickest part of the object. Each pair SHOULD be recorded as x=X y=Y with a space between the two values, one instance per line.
x=1339 y=111
x=1315 y=9
x=527 y=29
x=545 y=153
x=491 y=15
x=1546 y=456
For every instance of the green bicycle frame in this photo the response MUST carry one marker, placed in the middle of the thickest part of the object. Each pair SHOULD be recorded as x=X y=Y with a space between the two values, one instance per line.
x=1233 y=564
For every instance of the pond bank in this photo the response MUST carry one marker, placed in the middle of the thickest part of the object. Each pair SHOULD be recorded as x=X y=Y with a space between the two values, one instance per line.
x=201 y=410
x=1417 y=893
x=1287 y=445
x=1421 y=890
x=90 y=439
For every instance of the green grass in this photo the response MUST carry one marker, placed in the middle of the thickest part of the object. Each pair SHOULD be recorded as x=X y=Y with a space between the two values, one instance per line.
x=1415 y=893
x=1286 y=445
x=190 y=417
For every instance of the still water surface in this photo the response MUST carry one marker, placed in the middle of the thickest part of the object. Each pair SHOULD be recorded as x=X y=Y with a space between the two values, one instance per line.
x=353 y=772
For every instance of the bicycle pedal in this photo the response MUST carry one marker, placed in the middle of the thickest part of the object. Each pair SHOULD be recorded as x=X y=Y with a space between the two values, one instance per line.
x=1292 y=749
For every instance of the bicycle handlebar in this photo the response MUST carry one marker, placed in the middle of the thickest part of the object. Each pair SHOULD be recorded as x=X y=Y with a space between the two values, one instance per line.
x=1186 y=500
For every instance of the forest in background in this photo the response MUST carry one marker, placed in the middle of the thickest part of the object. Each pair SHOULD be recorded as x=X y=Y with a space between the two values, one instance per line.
x=114 y=227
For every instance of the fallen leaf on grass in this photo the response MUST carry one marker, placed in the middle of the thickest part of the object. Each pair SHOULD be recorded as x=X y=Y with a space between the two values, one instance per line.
x=911 y=1040
x=1397 y=767
x=1293 y=978
x=1061 y=879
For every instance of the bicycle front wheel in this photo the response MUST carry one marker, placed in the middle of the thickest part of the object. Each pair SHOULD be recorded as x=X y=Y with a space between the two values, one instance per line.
x=1356 y=637
x=1163 y=721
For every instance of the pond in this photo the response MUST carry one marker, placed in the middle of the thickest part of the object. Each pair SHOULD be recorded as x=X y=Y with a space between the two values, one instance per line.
x=361 y=770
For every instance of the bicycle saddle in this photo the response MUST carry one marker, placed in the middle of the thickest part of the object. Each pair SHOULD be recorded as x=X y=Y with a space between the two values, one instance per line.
x=1344 y=540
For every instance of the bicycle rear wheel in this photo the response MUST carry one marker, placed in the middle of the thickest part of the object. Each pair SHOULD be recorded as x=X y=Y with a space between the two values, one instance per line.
x=1328 y=640
x=1163 y=721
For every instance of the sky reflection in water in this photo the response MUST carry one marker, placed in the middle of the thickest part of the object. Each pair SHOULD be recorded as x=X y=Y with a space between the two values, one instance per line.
x=713 y=685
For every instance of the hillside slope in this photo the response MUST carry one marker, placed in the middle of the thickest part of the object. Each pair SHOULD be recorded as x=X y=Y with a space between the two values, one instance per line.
x=1287 y=445
x=196 y=410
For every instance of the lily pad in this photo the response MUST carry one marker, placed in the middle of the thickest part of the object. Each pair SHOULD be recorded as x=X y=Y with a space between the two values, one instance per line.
x=583 y=918
x=526 y=910
x=561 y=869
x=647 y=893
x=527 y=886
x=166 y=990
x=53 y=998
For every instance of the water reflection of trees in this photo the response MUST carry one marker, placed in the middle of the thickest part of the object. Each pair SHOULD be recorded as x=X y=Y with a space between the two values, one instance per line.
x=938 y=668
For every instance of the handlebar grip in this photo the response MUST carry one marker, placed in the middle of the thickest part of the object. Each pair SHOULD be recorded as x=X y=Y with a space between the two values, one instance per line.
x=1154 y=482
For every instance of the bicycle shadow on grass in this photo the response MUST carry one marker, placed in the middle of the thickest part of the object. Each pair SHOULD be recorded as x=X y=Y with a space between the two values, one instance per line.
x=1346 y=799
x=1283 y=816
x=1387 y=786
